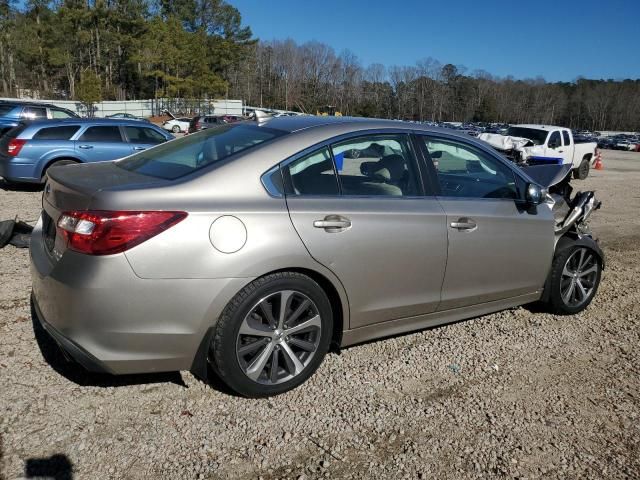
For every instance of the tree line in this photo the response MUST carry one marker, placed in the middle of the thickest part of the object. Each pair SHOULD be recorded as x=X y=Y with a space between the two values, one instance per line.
x=91 y=50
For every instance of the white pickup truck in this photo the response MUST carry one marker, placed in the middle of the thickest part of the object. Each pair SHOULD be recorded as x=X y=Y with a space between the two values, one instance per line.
x=544 y=144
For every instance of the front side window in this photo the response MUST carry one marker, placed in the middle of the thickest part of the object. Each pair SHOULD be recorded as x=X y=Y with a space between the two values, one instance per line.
x=101 y=134
x=312 y=174
x=375 y=165
x=183 y=156
x=56 y=133
x=467 y=172
x=144 y=135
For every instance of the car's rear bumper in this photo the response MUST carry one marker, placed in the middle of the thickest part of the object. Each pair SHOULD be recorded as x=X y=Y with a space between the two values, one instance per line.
x=18 y=170
x=110 y=320
x=69 y=347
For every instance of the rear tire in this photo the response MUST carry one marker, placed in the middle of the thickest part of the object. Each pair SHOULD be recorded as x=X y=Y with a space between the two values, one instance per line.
x=582 y=171
x=575 y=277
x=175 y=129
x=258 y=349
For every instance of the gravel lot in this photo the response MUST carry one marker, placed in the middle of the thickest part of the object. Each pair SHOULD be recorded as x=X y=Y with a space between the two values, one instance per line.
x=516 y=394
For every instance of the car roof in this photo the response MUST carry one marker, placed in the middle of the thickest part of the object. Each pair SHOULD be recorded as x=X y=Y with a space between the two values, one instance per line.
x=307 y=122
x=87 y=121
x=23 y=103
x=540 y=127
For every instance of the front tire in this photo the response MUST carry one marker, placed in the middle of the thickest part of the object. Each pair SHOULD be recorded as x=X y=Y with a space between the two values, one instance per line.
x=574 y=281
x=175 y=129
x=273 y=335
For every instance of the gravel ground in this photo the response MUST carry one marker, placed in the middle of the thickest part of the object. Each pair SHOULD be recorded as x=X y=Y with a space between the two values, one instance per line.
x=515 y=394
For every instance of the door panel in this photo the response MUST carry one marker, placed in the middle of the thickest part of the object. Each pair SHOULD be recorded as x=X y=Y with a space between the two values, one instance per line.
x=390 y=259
x=497 y=250
x=101 y=143
x=508 y=252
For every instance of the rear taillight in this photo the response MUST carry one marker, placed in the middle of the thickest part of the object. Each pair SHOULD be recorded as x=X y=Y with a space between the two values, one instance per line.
x=15 y=145
x=107 y=232
x=198 y=125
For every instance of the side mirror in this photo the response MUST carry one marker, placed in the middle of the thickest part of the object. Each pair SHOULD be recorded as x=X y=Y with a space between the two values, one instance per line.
x=553 y=145
x=535 y=194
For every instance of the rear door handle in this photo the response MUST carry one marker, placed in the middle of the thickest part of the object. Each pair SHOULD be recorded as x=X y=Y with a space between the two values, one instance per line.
x=333 y=223
x=464 y=224
x=139 y=148
x=85 y=147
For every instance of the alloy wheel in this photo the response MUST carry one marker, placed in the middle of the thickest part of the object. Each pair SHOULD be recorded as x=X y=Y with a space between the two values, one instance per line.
x=278 y=337
x=579 y=277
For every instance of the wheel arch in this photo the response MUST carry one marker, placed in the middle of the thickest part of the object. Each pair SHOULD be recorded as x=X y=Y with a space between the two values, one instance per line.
x=49 y=161
x=569 y=240
x=337 y=298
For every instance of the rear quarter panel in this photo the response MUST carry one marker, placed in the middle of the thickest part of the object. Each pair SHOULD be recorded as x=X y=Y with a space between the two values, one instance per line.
x=45 y=152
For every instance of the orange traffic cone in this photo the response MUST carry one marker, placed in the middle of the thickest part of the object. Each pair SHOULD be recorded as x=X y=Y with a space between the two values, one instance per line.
x=598 y=165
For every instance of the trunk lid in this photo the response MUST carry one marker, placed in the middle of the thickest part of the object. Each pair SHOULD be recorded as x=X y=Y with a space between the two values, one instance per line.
x=72 y=187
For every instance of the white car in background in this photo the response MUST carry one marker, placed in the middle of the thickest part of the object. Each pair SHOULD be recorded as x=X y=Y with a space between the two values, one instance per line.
x=177 y=125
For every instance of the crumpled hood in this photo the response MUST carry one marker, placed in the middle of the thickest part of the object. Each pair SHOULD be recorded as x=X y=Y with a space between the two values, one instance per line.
x=504 y=142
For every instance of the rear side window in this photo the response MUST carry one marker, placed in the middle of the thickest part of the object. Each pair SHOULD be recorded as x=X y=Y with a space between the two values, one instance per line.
x=56 y=133
x=144 y=135
x=376 y=165
x=101 y=134
x=312 y=174
x=183 y=156
x=567 y=140
x=60 y=114
x=34 y=112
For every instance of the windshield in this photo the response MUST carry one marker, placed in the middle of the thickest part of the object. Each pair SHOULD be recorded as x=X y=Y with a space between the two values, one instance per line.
x=181 y=157
x=536 y=136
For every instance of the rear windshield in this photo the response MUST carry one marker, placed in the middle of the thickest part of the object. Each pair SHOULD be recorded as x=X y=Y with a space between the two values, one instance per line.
x=183 y=156
x=536 y=136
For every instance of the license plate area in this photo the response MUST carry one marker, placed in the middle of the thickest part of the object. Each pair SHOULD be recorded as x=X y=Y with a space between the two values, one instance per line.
x=48 y=231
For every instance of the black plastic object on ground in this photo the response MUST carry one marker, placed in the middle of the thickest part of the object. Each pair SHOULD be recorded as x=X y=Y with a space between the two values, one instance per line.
x=16 y=233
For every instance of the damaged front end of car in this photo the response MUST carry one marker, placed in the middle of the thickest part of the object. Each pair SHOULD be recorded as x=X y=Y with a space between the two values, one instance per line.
x=571 y=212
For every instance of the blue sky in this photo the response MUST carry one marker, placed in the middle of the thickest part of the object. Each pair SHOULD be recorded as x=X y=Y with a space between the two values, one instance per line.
x=559 y=40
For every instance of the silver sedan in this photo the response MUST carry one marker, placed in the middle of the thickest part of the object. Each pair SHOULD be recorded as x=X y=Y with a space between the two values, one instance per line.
x=248 y=251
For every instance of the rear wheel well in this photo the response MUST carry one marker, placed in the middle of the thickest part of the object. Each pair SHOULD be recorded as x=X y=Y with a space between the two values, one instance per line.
x=54 y=160
x=334 y=300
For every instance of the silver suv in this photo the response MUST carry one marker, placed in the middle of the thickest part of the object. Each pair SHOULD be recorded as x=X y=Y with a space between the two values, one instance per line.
x=249 y=250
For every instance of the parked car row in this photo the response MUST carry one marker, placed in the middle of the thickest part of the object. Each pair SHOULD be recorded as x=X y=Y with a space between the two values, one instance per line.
x=626 y=142
x=197 y=123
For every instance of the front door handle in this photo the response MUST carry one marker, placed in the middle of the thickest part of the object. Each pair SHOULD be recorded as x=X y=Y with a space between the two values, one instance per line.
x=466 y=224
x=85 y=147
x=333 y=223
x=139 y=148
